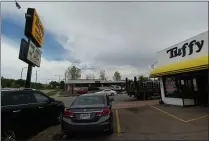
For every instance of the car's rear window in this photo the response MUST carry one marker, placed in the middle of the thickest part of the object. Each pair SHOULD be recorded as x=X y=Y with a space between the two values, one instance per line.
x=89 y=100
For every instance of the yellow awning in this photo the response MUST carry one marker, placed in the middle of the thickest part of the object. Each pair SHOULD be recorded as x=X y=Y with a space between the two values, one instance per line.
x=198 y=63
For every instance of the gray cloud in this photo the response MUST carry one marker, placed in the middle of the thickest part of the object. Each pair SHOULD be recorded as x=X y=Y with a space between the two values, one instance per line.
x=103 y=35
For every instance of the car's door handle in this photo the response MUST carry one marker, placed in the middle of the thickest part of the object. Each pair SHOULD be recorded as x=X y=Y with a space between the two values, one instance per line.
x=16 y=111
x=40 y=107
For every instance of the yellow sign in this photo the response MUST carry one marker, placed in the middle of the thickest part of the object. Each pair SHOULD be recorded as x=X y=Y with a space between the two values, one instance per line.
x=37 y=29
x=34 y=29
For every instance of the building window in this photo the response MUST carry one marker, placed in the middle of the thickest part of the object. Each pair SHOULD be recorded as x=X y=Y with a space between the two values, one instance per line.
x=180 y=86
x=172 y=87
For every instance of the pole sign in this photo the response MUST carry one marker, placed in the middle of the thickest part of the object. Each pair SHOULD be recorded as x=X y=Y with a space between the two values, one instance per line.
x=34 y=28
x=34 y=54
x=23 y=51
x=29 y=53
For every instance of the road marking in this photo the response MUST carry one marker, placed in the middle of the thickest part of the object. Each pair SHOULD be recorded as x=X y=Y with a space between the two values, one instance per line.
x=168 y=113
x=117 y=122
x=186 y=121
x=197 y=118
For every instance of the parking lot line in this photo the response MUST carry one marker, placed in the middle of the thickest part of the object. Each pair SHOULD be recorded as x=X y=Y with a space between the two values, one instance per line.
x=117 y=122
x=168 y=114
x=197 y=118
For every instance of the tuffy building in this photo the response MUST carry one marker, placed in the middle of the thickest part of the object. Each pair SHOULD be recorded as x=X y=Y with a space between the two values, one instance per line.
x=183 y=72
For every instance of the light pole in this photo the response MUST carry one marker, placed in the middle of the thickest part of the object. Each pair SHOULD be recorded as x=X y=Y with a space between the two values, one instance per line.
x=36 y=75
x=22 y=72
x=152 y=66
x=17 y=4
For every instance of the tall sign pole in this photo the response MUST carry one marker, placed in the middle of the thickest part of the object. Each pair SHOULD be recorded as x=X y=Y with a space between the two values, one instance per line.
x=30 y=51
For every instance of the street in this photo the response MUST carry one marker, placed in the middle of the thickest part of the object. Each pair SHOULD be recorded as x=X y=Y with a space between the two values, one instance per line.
x=120 y=98
x=142 y=120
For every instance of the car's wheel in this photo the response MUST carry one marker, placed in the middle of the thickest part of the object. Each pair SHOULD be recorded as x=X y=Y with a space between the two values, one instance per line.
x=9 y=136
x=110 y=130
x=59 y=117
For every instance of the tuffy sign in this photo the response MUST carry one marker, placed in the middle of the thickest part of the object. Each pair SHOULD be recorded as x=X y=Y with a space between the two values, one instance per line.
x=194 y=47
x=34 y=28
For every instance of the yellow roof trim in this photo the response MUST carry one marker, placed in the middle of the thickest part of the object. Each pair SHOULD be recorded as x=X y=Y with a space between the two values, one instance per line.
x=198 y=63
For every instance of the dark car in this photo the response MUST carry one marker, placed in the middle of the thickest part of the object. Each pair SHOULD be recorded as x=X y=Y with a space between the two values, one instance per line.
x=89 y=113
x=24 y=110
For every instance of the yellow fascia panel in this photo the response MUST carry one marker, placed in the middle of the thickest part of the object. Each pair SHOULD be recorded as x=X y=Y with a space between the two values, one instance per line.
x=182 y=66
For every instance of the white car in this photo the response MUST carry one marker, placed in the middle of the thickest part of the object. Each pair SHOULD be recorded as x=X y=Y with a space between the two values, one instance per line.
x=109 y=92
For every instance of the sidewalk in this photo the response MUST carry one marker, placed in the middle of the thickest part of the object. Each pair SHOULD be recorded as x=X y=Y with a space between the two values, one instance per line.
x=56 y=95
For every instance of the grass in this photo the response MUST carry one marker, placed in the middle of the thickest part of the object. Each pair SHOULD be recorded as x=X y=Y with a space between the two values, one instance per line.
x=52 y=93
x=65 y=93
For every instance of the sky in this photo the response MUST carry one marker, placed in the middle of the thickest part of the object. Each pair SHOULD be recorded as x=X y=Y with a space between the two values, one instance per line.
x=94 y=36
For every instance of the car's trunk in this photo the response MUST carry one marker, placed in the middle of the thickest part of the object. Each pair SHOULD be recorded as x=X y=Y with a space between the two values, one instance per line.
x=85 y=113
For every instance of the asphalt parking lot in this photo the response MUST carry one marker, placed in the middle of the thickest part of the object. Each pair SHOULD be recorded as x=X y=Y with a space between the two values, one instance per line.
x=148 y=123
x=143 y=120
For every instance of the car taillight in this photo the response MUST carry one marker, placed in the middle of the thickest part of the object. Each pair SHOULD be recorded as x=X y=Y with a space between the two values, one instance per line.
x=68 y=113
x=106 y=111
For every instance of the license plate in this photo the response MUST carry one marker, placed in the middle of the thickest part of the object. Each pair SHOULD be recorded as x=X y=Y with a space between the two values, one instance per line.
x=84 y=116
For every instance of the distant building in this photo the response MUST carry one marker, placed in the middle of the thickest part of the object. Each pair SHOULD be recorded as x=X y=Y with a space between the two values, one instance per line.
x=80 y=83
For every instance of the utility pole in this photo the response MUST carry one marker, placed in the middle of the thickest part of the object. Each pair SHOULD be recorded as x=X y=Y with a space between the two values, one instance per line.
x=22 y=72
x=36 y=76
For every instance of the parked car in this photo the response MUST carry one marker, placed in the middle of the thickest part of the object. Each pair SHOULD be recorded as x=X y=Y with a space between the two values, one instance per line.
x=109 y=92
x=26 y=110
x=82 y=91
x=89 y=113
x=116 y=87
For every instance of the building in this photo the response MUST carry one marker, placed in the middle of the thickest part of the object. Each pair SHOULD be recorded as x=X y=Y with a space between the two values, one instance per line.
x=183 y=72
x=86 y=83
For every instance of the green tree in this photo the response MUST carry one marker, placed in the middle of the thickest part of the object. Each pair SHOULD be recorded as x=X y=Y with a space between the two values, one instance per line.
x=90 y=76
x=102 y=75
x=62 y=85
x=11 y=83
x=143 y=78
x=117 y=76
x=21 y=82
x=73 y=73
x=5 y=82
x=54 y=84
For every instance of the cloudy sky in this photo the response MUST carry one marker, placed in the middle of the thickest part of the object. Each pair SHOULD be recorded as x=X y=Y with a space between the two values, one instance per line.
x=114 y=36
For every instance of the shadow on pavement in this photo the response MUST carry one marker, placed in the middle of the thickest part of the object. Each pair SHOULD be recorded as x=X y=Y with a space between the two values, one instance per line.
x=33 y=132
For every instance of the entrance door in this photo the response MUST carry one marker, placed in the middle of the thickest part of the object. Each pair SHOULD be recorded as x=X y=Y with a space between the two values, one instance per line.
x=202 y=83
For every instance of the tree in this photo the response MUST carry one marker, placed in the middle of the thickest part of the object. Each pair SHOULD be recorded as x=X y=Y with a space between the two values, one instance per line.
x=143 y=78
x=102 y=75
x=12 y=83
x=73 y=73
x=90 y=76
x=54 y=84
x=62 y=85
x=117 y=76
